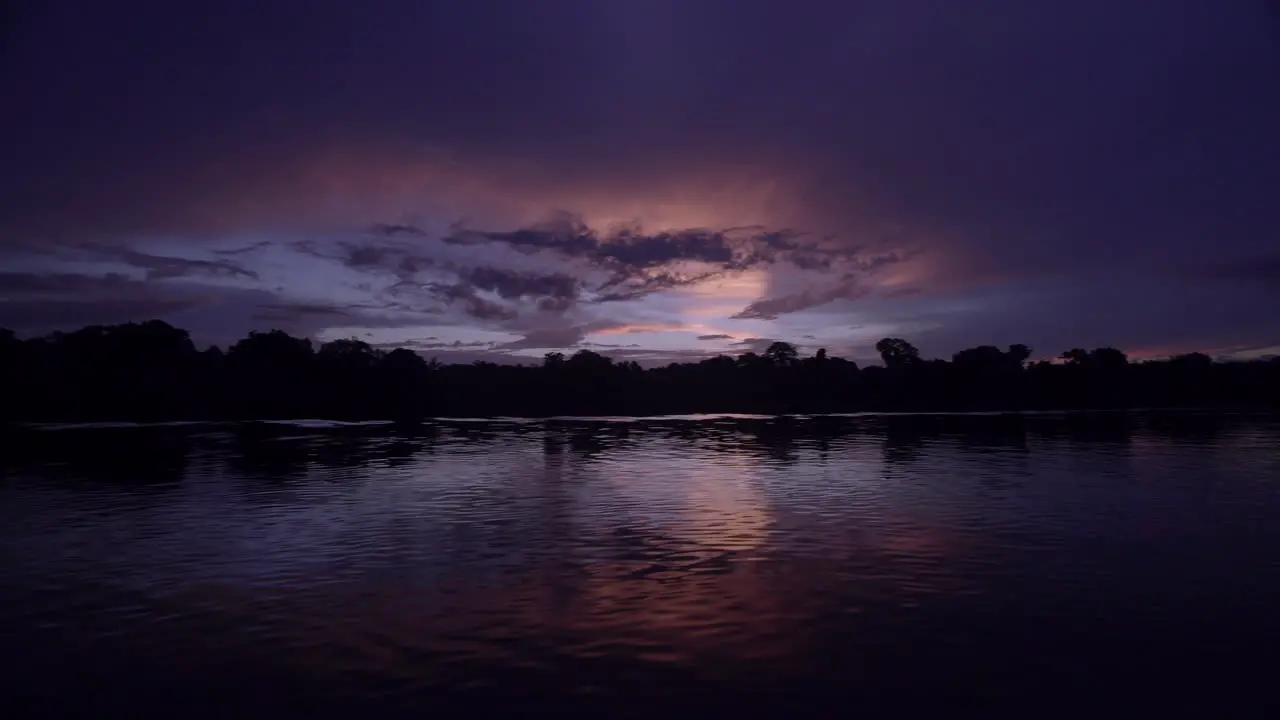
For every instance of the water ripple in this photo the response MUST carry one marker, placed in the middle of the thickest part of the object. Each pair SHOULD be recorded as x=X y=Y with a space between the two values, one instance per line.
x=787 y=559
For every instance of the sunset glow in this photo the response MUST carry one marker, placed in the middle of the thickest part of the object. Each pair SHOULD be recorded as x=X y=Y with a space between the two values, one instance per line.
x=858 y=179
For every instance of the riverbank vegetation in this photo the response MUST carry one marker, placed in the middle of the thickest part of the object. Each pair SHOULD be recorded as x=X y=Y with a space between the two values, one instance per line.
x=152 y=371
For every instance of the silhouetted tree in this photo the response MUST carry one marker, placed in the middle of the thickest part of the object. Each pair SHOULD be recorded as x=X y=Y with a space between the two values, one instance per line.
x=1076 y=356
x=403 y=361
x=1192 y=361
x=897 y=352
x=1019 y=353
x=275 y=349
x=782 y=354
x=10 y=367
x=983 y=357
x=351 y=355
x=1108 y=358
x=151 y=371
x=274 y=373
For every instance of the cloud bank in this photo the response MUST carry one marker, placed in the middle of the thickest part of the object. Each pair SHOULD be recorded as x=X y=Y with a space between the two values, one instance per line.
x=1057 y=173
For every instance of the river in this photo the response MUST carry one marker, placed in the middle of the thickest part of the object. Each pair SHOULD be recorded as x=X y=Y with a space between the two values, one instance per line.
x=623 y=567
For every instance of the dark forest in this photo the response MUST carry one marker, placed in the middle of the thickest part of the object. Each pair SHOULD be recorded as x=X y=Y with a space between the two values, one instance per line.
x=152 y=371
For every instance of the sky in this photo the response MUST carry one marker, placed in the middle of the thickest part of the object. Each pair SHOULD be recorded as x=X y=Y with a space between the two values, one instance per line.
x=656 y=180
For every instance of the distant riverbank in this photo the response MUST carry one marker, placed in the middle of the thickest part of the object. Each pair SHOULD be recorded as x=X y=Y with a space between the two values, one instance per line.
x=152 y=372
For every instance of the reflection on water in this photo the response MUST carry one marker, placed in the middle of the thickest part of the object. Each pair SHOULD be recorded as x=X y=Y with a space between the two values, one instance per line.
x=737 y=563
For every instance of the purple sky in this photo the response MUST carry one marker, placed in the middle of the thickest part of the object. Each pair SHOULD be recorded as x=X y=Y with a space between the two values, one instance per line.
x=653 y=179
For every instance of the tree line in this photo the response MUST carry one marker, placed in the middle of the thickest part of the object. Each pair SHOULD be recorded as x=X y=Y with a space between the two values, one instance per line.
x=152 y=371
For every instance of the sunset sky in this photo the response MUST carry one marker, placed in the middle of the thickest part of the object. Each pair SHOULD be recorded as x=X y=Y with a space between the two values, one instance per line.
x=653 y=179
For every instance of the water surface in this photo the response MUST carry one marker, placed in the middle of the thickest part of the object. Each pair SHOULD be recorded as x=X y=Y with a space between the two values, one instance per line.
x=624 y=566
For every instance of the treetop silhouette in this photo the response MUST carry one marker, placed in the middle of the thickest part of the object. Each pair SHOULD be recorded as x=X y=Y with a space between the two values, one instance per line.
x=152 y=371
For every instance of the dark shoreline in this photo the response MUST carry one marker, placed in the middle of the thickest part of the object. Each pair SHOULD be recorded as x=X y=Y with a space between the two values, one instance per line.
x=338 y=423
x=152 y=372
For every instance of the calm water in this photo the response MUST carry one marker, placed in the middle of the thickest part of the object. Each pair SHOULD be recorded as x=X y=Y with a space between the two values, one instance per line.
x=631 y=567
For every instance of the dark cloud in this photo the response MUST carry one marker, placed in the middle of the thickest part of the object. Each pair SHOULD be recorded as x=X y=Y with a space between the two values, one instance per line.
x=362 y=257
x=482 y=309
x=513 y=285
x=549 y=338
x=293 y=311
x=632 y=248
x=556 y=304
x=550 y=292
x=403 y=262
x=476 y=306
x=637 y=286
x=285 y=314
x=263 y=244
x=455 y=345
x=390 y=230
x=162 y=267
x=771 y=308
x=15 y=284
x=564 y=233
x=37 y=303
x=1017 y=144
x=641 y=263
x=561 y=336
x=715 y=337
